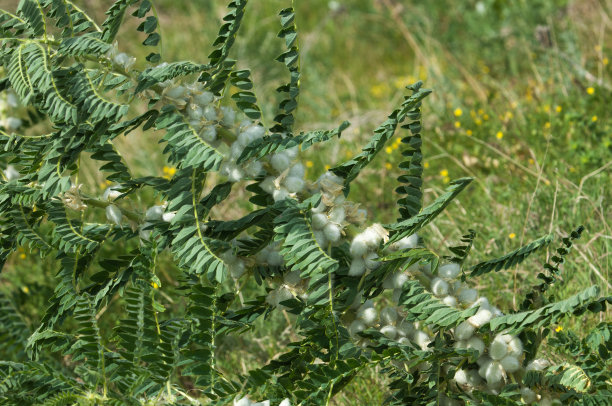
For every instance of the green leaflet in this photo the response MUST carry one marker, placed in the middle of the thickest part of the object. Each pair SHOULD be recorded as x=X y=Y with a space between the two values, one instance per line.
x=423 y=306
x=513 y=258
x=350 y=170
x=275 y=143
x=88 y=44
x=588 y=299
x=412 y=225
x=411 y=189
x=157 y=74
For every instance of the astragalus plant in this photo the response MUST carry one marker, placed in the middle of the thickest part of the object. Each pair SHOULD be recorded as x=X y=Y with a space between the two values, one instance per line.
x=360 y=294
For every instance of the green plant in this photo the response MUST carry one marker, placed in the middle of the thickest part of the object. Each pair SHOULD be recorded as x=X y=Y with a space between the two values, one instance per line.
x=305 y=243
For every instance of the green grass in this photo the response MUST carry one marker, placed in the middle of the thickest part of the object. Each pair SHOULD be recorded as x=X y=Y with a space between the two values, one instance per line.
x=531 y=79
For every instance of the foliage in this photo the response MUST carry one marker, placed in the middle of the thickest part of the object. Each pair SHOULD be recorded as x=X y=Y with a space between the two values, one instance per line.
x=302 y=242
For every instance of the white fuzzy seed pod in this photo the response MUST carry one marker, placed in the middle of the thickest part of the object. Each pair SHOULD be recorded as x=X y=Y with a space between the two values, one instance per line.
x=461 y=377
x=268 y=185
x=292 y=152
x=528 y=396
x=275 y=258
x=333 y=233
x=210 y=113
x=229 y=116
x=194 y=112
x=406 y=328
x=319 y=221
x=450 y=301
x=498 y=348
x=294 y=185
x=280 y=194
x=439 y=287
x=176 y=92
x=154 y=213
x=483 y=303
x=359 y=246
x=253 y=169
x=357 y=326
x=510 y=364
x=449 y=271
x=389 y=331
x=109 y=194
x=537 y=365
x=237 y=269
x=482 y=317
x=464 y=331
x=113 y=214
x=209 y=133
x=399 y=279
x=368 y=316
x=407 y=242
x=467 y=295
x=245 y=401
x=388 y=315
x=371 y=261
x=371 y=237
x=475 y=343
x=494 y=373
x=204 y=98
x=357 y=268
x=337 y=214
x=515 y=347
x=473 y=378
x=167 y=217
x=321 y=239
x=403 y=341
x=285 y=402
x=422 y=340
x=297 y=170
x=280 y=161
x=235 y=151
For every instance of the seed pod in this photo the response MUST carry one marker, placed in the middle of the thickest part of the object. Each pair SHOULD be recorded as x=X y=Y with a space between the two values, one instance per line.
x=319 y=221
x=358 y=246
x=461 y=377
x=510 y=364
x=371 y=261
x=482 y=317
x=332 y=233
x=475 y=343
x=439 y=287
x=449 y=271
x=494 y=373
x=368 y=315
x=450 y=301
x=154 y=213
x=422 y=340
x=498 y=348
x=357 y=326
x=294 y=185
x=464 y=331
x=113 y=214
x=389 y=331
x=388 y=315
x=280 y=161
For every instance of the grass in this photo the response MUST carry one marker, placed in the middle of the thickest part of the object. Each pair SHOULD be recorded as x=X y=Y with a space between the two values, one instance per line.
x=520 y=100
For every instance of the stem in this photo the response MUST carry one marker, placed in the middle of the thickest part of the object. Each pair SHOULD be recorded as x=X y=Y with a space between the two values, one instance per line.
x=103 y=204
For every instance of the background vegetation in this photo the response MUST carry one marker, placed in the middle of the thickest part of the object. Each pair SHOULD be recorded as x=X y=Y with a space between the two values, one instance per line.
x=520 y=102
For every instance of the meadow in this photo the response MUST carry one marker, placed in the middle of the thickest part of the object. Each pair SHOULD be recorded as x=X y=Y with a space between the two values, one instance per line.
x=520 y=102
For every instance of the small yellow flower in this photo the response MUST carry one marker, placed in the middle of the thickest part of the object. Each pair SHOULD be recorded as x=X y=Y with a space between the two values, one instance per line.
x=547 y=108
x=25 y=289
x=480 y=111
x=425 y=165
x=558 y=109
x=468 y=133
x=572 y=169
x=458 y=112
x=309 y=164
x=388 y=166
x=594 y=118
x=327 y=167
x=388 y=150
x=558 y=329
x=22 y=256
x=478 y=121
x=547 y=125
x=485 y=117
x=457 y=124
x=509 y=115
x=446 y=179
x=512 y=236
x=499 y=135
x=397 y=141
x=590 y=90
x=605 y=61
x=155 y=285
x=531 y=161
x=444 y=173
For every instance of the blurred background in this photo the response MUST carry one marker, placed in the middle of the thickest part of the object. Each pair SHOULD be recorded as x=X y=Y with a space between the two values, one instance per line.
x=521 y=96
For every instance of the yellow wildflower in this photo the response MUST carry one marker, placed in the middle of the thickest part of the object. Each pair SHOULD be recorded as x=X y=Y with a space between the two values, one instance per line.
x=547 y=125
x=446 y=179
x=499 y=135
x=531 y=161
x=444 y=173
x=594 y=118
x=509 y=115
x=468 y=133
x=558 y=329
x=458 y=112
x=388 y=166
x=327 y=167
x=425 y=165
x=558 y=109
x=478 y=121
x=480 y=111
x=485 y=117
x=155 y=285
x=22 y=256
x=309 y=164
x=388 y=150
x=590 y=90
x=605 y=61
x=25 y=289
x=457 y=124
x=511 y=236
